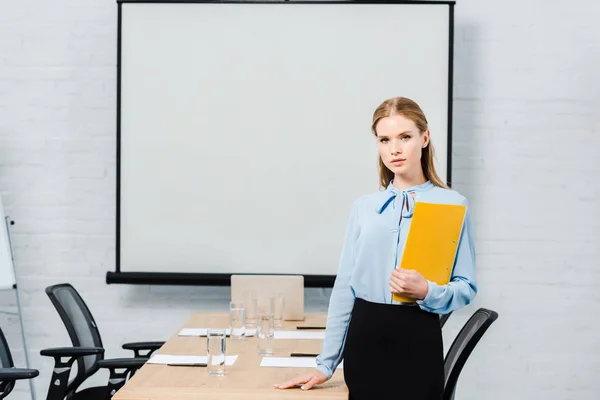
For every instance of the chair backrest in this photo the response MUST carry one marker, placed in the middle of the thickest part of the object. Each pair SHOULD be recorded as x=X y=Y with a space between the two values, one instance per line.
x=80 y=325
x=6 y=361
x=444 y=318
x=463 y=345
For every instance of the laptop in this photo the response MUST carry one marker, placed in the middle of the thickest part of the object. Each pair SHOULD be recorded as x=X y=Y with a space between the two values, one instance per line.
x=292 y=287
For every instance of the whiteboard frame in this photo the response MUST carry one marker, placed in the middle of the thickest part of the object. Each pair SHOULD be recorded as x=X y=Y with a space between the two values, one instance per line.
x=221 y=279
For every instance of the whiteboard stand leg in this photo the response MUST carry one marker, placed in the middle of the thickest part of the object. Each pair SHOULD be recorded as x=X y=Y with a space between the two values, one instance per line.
x=19 y=310
x=31 y=389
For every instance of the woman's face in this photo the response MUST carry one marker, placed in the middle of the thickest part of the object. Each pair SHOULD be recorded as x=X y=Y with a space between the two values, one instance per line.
x=400 y=144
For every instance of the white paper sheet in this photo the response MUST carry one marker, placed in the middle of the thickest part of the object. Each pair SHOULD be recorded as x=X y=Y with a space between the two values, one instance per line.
x=171 y=359
x=299 y=335
x=203 y=332
x=291 y=362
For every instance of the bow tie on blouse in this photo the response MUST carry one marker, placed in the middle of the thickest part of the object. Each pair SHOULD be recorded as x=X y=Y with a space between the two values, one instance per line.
x=399 y=199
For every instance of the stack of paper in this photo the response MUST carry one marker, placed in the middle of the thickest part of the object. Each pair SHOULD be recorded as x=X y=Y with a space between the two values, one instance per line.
x=291 y=362
x=203 y=332
x=299 y=335
x=172 y=359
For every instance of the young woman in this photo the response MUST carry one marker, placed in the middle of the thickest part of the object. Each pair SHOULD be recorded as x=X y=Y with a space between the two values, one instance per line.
x=392 y=349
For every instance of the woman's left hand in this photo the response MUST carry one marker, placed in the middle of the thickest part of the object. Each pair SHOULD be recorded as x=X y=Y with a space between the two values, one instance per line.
x=408 y=282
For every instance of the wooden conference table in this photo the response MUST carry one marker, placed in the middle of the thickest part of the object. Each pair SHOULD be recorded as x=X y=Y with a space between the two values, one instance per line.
x=245 y=379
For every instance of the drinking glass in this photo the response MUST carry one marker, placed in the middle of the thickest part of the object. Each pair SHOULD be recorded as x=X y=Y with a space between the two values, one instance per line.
x=237 y=320
x=215 y=347
x=266 y=332
x=278 y=306
x=251 y=309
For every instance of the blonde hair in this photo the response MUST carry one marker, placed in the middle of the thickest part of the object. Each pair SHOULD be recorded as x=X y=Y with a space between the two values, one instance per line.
x=411 y=110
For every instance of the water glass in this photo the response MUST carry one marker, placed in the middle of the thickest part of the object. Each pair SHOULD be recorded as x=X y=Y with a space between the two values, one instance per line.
x=215 y=345
x=266 y=304
x=278 y=305
x=251 y=309
x=237 y=320
x=266 y=333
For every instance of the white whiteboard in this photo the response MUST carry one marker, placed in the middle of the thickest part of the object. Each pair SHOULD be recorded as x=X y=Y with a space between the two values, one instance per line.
x=245 y=128
x=7 y=271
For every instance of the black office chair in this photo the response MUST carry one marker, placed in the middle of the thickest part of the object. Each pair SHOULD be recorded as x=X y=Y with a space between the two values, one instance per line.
x=87 y=351
x=8 y=373
x=444 y=318
x=463 y=345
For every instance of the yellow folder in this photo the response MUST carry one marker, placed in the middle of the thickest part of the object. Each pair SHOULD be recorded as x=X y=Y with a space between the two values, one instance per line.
x=432 y=242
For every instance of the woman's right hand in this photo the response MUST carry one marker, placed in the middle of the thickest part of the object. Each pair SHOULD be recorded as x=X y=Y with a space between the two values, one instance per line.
x=307 y=381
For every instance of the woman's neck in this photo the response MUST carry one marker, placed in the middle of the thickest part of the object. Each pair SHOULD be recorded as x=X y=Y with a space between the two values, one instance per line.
x=402 y=182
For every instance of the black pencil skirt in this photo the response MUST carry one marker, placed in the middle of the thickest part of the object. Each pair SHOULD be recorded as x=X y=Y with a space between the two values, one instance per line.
x=393 y=352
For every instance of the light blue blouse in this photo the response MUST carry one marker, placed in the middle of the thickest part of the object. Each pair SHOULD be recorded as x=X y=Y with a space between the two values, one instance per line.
x=373 y=246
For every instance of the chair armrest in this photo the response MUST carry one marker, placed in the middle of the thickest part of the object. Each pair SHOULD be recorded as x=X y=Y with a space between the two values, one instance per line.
x=138 y=347
x=72 y=351
x=13 y=374
x=120 y=369
x=129 y=363
x=64 y=357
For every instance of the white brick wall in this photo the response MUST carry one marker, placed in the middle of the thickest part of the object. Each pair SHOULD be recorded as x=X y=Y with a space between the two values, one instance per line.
x=526 y=140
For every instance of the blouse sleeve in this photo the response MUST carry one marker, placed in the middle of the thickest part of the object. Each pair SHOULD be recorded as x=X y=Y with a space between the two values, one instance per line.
x=340 y=303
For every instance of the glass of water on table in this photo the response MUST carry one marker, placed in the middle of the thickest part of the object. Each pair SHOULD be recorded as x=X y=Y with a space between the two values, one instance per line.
x=215 y=349
x=251 y=303
x=266 y=334
x=278 y=307
x=237 y=320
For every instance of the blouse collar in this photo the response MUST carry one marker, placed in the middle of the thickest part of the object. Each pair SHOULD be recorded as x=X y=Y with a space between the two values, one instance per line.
x=401 y=196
